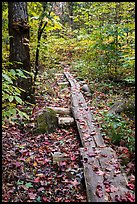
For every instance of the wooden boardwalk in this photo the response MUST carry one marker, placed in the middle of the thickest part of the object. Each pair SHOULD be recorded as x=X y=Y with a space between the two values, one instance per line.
x=104 y=179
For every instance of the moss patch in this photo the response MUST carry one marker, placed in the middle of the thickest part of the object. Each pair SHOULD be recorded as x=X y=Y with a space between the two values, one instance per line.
x=46 y=121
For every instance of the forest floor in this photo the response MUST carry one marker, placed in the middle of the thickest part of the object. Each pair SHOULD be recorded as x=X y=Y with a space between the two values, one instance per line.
x=29 y=173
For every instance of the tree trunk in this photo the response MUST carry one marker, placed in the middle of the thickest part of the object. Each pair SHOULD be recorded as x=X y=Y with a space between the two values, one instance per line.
x=19 y=45
x=41 y=28
x=116 y=35
x=40 y=31
x=70 y=10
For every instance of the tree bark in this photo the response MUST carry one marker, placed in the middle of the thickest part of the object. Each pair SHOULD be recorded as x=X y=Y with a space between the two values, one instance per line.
x=19 y=32
x=19 y=45
x=70 y=10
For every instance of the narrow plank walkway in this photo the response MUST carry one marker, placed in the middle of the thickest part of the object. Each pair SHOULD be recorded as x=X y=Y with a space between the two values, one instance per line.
x=104 y=179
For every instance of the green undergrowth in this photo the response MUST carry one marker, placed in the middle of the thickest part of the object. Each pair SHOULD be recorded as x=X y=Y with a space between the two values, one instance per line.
x=90 y=62
x=118 y=127
x=118 y=130
x=11 y=96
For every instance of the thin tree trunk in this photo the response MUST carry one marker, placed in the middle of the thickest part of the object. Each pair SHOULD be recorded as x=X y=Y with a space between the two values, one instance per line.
x=70 y=10
x=40 y=31
x=116 y=36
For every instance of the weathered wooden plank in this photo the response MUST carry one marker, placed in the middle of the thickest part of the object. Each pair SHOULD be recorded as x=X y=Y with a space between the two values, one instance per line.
x=101 y=167
x=81 y=111
x=67 y=121
x=78 y=100
x=59 y=74
x=72 y=81
x=84 y=115
x=85 y=136
x=63 y=83
x=92 y=180
x=112 y=172
x=61 y=110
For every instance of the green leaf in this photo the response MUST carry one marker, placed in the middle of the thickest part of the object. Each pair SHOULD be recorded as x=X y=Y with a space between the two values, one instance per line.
x=12 y=111
x=18 y=99
x=30 y=73
x=25 y=115
x=21 y=74
x=29 y=185
x=20 y=182
x=20 y=113
x=6 y=77
x=18 y=62
x=37 y=83
x=20 y=89
x=21 y=147
x=8 y=113
x=5 y=96
x=13 y=72
x=38 y=199
x=17 y=90
x=11 y=98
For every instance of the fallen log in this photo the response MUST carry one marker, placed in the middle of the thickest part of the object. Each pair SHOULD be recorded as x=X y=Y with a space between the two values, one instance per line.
x=104 y=179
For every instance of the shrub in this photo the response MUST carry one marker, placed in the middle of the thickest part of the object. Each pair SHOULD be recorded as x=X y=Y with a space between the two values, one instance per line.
x=11 y=95
x=118 y=129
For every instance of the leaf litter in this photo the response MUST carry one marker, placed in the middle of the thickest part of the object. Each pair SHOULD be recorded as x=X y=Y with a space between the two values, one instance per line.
x=29 y=174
